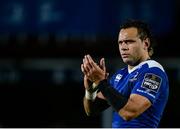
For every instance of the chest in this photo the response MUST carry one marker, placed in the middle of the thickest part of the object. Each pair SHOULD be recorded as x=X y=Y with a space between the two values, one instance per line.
x=125 y=83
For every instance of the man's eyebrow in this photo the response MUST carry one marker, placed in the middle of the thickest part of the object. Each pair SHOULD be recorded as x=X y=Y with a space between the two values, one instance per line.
x=131 y=40
x=127 y=40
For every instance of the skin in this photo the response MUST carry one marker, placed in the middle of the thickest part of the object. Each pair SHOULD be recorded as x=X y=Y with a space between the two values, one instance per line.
x=133 y=51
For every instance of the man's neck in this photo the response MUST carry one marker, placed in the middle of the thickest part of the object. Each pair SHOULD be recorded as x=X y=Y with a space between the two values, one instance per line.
x=138 y=62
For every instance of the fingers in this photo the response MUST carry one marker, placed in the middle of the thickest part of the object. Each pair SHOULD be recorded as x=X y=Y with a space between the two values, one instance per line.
x=91 y=69
x=88 y=64
x=82 y=68
x=85 y=71
x=91 y=62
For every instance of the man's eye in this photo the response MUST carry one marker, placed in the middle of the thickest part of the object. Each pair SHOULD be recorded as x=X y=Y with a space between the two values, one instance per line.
x=120 y=42
x=129 y=41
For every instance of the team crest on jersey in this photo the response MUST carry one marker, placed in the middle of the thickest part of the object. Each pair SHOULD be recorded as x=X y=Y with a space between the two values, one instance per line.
x=151 y=82
x=118 y=77
x=134 y=78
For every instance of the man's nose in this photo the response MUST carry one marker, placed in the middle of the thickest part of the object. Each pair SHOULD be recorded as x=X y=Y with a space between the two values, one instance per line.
x=123 y=46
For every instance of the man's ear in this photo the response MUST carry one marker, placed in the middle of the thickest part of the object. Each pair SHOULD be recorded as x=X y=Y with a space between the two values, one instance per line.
x=146 y=43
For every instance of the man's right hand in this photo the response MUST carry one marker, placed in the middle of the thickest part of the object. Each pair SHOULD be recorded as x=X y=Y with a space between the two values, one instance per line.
x=93 y=73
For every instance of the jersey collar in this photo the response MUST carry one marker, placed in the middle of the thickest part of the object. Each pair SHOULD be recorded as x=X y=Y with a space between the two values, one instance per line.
x=137 y=66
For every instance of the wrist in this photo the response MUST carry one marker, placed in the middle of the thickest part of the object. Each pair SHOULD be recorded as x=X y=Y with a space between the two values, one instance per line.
x=90 y=95
x=92 y=88
x=115 y=98
x=96 y=83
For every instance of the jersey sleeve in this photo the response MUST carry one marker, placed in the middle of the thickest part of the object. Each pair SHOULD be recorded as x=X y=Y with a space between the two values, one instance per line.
x=149 y=84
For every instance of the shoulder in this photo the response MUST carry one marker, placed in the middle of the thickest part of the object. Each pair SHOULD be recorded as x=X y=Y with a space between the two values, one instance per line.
x=152 y=70
x=154 y=64
x=153 y=75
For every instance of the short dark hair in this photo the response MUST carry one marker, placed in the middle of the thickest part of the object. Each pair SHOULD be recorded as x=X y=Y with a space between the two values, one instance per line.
x=143 y=31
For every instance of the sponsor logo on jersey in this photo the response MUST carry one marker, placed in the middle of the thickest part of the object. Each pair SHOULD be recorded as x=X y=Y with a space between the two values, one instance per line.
x=151 y=82
x=146 y=92
x=118 y=77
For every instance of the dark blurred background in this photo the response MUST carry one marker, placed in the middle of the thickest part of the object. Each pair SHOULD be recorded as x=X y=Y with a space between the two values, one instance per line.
x=42 y=43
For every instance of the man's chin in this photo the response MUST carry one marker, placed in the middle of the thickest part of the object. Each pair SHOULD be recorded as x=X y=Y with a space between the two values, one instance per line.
x=127 y=61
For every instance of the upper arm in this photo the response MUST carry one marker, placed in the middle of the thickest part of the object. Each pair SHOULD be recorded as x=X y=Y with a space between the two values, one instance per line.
x=135 y=106
x=145 y=92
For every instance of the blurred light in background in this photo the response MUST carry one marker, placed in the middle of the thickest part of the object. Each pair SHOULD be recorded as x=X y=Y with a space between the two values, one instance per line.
x=83 y=16
x=42 y=43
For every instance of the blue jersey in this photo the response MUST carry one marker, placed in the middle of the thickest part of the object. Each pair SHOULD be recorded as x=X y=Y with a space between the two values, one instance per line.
x=147 y=79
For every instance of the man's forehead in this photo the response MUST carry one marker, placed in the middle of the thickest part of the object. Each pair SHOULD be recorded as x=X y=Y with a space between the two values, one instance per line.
x=128 y=33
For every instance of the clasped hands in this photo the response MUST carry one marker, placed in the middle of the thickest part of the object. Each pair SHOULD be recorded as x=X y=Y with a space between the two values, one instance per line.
x=93 y=72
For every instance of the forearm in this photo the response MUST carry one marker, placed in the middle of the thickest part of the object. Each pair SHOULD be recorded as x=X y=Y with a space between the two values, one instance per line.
x=114 y=98
x=93 y=107
x=88 y=106
x=89 y=98
x=127 y=108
